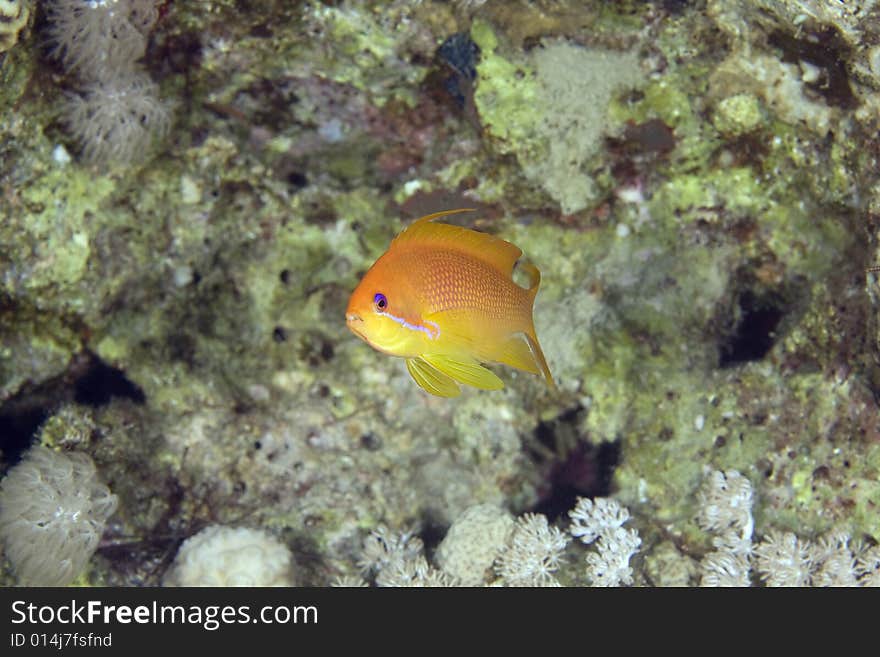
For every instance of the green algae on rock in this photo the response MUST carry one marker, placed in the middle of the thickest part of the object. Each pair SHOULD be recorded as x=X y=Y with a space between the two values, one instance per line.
x=14 y=16
x=550 y=109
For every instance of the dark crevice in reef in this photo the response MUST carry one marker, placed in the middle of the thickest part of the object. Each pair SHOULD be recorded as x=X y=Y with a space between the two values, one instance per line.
x=458 y=56
x=18 y=426
x=821 y=46
x=576 y=467
x=755 y=333
x=432 y=535
x=100 y=383
x=586 y=471
x=87 y=380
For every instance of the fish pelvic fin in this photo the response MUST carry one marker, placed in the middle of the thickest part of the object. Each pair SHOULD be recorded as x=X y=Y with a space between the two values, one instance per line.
x=431 y=379
x=465 y=370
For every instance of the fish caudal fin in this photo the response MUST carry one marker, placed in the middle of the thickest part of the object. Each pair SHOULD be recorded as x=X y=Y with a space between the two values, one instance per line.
x=431 y=379
x=465 y=370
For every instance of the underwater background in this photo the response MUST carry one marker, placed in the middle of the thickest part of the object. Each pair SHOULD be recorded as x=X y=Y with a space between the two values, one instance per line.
x=190 y=191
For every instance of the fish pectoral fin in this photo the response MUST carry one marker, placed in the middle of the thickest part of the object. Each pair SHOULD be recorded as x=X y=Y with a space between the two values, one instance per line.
x=431 y=379
x=456 y=330
x=465 y=370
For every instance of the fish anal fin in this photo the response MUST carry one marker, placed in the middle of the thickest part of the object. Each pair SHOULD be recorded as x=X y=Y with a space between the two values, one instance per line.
x=431 y=379
x=498 y=253
x=538 y=354
x=523 y=352
x=465 y=370
x=515 y=351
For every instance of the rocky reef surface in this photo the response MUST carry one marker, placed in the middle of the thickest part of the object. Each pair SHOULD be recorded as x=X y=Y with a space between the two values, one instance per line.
x=697 y=182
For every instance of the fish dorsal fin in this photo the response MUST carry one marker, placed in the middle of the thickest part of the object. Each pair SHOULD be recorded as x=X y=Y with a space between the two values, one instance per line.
x=502 y=255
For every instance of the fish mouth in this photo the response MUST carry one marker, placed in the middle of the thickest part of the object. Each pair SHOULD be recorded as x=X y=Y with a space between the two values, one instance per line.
x=355 y=323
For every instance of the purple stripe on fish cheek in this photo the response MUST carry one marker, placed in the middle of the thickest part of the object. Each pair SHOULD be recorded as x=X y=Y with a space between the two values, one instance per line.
x=432 y=331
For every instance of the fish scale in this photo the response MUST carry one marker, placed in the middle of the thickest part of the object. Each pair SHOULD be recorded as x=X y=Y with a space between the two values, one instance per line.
x=450 y=280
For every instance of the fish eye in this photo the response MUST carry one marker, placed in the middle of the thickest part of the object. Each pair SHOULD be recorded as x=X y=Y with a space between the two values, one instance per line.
x=380 y=302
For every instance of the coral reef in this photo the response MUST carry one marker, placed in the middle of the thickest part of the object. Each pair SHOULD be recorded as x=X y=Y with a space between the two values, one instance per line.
x=486 y=546
x=781 y=559
x=698 y=184
x=529 y=552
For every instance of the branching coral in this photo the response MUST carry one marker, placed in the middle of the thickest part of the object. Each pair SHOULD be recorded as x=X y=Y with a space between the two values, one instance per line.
x=780 y=558
x=397 y=559
x=726 y=510
x=534 y=553
x=602 y=520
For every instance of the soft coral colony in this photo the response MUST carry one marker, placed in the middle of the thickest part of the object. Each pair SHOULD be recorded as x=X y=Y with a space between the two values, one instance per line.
x=116 y=114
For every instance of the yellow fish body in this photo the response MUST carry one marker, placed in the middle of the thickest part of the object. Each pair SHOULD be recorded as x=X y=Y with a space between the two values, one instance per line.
x=443 y=298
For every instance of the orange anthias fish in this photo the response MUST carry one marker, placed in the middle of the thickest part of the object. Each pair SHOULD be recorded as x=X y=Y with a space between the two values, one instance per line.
x=443 y=298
